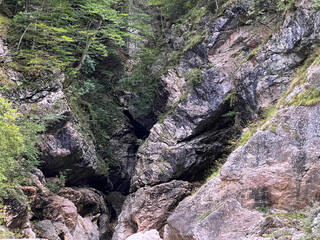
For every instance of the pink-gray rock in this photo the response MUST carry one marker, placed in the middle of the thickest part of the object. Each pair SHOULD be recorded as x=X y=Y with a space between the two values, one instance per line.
x=87 y=200
x=148 y=235
x=55 y=208
x=276 y=168
x=45 y=229
x=17 y=216
x=228 y=221
x=257 y=81
x=149 y=208
x=58 y=218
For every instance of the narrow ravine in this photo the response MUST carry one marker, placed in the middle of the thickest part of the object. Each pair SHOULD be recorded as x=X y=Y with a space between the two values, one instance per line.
x=184 y=120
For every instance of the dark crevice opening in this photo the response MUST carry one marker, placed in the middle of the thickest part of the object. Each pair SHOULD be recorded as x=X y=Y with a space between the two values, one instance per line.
x=213 y=152
x=139 y=130
x=218 y=133
x=214 y=123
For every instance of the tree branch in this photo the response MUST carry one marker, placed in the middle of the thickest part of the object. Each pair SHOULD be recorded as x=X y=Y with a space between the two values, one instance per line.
x=20 y=40
x=86 y=49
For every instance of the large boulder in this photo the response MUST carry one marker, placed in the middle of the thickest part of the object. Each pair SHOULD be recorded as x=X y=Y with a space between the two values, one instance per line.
x=56 y=217
x=55 y=208
x=91 y=206
x=149 y=208
x=87 y=200
x=148 y=235
x=227 y=221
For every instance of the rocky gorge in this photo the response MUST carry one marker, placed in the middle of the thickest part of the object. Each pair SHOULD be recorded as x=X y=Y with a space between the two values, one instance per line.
x=228 y=150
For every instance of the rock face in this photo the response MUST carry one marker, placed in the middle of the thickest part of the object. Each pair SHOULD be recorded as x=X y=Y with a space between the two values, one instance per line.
x=277 y=167
x=88 y=201
x=219 y=84
x=180 y=144
x=149 y=207
x=17 y=216
x=220 y=223
x=123 y=145
x=66 y=147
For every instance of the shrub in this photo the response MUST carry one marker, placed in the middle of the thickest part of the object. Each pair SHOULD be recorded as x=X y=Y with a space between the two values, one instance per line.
x=261 y=9
x=18 y=151
x=194 y=76
x=316 y=4
x=57 y=183
x=254 y=126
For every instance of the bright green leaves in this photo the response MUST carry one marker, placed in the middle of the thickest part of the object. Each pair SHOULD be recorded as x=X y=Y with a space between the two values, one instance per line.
x=10 y=137
x=11 y=144
x=18 y=152
x=173 y=10
x=60 y=34
x=316 y=4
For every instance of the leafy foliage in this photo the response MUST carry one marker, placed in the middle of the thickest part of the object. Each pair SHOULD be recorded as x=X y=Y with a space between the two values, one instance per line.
x=194 y=76
x=91 y=100
x=253 y=127
x=307 y=98
x=57 y=183
x=18 y=152
x=172 y=10
x=51 y=35
x=143 y=80
x=261 y=9
x=316 y=4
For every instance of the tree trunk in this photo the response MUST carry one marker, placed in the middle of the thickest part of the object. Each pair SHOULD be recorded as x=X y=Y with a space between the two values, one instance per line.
x=86 y=49
x=20 y=40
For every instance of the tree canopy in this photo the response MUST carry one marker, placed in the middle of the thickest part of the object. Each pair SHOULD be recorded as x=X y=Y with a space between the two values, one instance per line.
x=59 y=34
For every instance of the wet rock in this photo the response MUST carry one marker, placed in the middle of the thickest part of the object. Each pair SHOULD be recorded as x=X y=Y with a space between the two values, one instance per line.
x=123 y=145
x=116 y=199
x=149 y=207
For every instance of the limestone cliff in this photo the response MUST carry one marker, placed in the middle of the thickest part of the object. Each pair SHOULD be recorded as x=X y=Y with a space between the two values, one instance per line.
x=275 y=169
x=238 y=94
